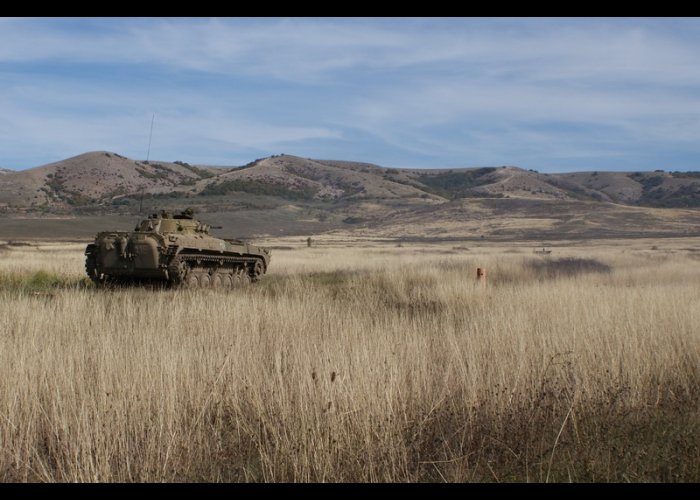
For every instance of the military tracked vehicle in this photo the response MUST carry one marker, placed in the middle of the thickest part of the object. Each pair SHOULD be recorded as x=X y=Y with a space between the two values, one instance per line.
x=174 y=250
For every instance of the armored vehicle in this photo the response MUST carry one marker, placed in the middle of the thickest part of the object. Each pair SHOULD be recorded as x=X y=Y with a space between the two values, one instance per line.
x=175 y=250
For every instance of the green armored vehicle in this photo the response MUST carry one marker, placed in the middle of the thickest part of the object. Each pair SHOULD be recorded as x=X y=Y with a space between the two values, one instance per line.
x=176 y=251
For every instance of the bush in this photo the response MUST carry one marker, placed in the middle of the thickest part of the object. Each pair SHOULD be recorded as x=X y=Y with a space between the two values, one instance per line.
x=567 y=266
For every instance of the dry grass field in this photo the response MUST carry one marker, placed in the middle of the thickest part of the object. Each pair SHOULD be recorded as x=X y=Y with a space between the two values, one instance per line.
x=359 y=361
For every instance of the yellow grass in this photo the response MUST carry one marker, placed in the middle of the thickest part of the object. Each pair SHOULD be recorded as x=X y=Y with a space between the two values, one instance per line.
x=364 y=363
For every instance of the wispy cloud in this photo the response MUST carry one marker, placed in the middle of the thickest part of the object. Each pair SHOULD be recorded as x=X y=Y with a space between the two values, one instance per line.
x=613 y=93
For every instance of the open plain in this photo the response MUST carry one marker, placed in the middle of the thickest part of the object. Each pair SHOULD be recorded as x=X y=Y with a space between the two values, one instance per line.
x=359 y=360
x=484 y=237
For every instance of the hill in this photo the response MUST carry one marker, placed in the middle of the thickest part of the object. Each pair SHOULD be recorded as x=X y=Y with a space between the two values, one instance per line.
x=292 y=195
x=652 y=189
x=94 y=178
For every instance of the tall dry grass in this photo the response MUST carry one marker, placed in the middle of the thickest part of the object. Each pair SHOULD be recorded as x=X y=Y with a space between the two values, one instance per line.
x=358 y=364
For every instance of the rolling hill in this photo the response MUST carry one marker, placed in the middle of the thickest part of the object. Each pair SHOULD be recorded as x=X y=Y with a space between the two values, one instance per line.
x=289 y=194
x=93 y=178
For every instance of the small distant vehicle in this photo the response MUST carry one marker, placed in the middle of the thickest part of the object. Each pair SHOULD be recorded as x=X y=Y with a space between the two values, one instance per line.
x=176 y=251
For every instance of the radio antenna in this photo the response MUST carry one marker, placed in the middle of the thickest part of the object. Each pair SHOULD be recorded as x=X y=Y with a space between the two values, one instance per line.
x=150 y=136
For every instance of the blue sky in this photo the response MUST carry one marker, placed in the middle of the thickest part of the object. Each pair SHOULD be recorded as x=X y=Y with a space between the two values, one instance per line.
x=554 y=95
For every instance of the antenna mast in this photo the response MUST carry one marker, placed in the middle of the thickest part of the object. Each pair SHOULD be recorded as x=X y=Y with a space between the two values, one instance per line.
x=150 y=136
x=141 y=202
x=148 y=156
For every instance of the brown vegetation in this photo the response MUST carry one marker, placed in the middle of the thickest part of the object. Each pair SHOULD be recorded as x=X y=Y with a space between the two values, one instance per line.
x=108 y=181
x=372 y=363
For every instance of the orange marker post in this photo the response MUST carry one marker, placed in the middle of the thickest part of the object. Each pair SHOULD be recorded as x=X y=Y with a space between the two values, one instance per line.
x=481 y=276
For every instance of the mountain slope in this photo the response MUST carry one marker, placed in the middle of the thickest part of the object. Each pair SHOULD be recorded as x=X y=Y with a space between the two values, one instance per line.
x=102 y=177
x=93 y=177
x=302 y=194
x=312 y=179
x=654 y=189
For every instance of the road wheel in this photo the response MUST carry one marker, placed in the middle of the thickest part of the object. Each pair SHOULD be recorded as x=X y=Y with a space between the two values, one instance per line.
x=227 y=280
x=244 y=277
x=205 y=280
x=217 y=280
x=236 y=279
x=192 y=280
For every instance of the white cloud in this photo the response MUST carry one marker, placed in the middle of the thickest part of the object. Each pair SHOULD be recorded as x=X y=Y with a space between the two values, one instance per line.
x=544 y=87
x=293 y=48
